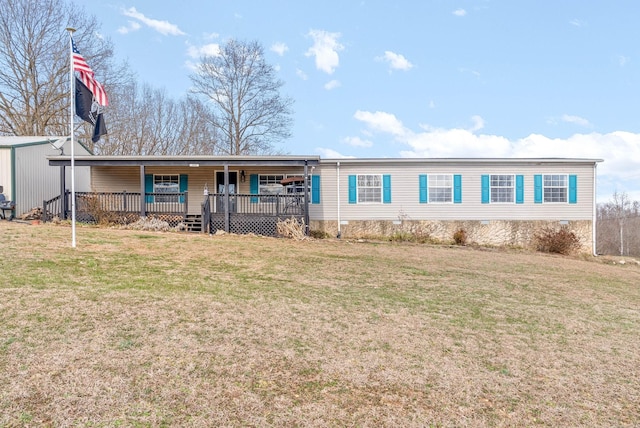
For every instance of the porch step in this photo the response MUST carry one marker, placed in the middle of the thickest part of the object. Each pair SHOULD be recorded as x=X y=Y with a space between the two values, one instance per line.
x=193 y=223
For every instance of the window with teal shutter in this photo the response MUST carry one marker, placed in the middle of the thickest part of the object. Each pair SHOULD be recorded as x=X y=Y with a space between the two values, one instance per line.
x=353 y=184
x=386 y=189
x=148 y=188
x=519 y=189
x=573 y=189
x=485 y=189
x=457 y=189
x=315 y=189
x=422 y=179
x=183 y=186
x=537 y=191
x=253 y=187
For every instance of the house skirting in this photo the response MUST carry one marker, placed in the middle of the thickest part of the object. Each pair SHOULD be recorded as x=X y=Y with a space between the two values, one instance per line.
x=513 y=233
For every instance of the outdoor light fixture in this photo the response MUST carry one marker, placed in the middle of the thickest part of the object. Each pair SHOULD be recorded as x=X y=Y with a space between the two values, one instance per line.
x=242 y=176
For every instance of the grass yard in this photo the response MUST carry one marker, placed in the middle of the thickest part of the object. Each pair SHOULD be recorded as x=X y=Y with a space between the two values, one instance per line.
x=155 y=329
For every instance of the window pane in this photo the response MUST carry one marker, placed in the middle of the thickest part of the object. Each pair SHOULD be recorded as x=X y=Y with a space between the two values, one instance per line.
x=166 y=184
x=502 y=189
x=369 y=188
x=440 y=188
x=555 y=188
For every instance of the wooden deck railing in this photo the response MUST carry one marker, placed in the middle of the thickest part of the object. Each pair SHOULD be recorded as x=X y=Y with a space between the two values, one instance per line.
x=89 y=203
x=262 y=205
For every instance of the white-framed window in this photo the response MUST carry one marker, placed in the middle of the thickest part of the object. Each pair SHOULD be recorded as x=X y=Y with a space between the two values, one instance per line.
x=440 y=188
x=502 y=188
x=167 y=187
x=555 y=187
x=269 y=184
x=369 y=188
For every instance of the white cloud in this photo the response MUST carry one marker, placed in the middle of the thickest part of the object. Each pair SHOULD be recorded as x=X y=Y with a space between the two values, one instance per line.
x=620 y=150
x=381 y=122
x=132 y=26
x=332 y=84
x=396 y=61
x=622 y=60
x=357 y=142
x=279 y=48
x=478 y=123
x=301 y=74
x=576 y=120
x=330 y=153
x=197 y=52
x=577 y=22
x=210 y=36
x=459 y=12
x=162 y=27
x=325 y=50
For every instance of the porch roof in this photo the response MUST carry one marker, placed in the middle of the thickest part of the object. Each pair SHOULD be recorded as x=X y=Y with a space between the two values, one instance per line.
x=190 y=161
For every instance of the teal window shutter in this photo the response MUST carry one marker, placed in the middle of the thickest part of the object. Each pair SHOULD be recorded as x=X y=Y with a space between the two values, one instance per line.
x=485 y=189
x=573 y=189
x=519 y=189
x=183 y=186
x=353 y=183
x=253 y=187
x=386 y=189
x=537 y=193
x=315 y=189
x=457 y=189
x=148 y=187
x=422 y=178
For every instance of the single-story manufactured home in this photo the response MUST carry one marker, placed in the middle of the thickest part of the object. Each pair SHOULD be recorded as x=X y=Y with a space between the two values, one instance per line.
x=495 y=201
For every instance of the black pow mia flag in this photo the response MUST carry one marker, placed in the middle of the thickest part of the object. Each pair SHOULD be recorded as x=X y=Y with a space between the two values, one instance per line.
x=89 y=110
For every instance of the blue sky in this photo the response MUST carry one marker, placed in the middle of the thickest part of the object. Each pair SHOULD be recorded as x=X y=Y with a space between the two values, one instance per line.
x=429 y=78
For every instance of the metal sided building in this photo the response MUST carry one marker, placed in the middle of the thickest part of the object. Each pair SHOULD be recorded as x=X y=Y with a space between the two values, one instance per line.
x=25 y=174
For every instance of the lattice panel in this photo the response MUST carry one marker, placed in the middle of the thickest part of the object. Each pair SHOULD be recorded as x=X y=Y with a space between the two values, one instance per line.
x=253 y=224
x=245 y=224
x=217 y=223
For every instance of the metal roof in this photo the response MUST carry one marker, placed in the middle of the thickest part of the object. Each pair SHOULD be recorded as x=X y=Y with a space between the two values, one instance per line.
x=192 y=161
x=284 y=160
x=12 y=141
x=460 y=160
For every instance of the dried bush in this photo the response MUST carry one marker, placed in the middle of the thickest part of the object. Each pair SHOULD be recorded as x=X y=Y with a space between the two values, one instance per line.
x=93 y=206
x=559 y=241
x=291 y=228
x=460 y=237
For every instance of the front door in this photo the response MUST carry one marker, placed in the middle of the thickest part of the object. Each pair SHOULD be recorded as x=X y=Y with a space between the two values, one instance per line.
x=221 y=188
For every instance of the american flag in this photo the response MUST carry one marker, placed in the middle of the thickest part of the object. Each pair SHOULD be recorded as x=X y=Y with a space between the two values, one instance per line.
x=87 y=76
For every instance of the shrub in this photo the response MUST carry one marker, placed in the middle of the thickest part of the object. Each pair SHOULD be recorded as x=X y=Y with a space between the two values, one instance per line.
x=460 y=237
x=319 y=234
x=559 y=241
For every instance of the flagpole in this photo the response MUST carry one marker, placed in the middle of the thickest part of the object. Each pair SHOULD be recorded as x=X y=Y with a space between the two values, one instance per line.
x=71 y=30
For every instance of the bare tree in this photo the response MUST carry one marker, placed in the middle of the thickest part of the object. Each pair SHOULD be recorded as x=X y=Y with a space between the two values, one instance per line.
x=34 y=64
x=618 y=226
x=145 y=121
x=250 y=114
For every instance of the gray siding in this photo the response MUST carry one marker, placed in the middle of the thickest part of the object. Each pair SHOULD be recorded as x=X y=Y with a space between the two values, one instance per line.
x=6 y=172
x=35 y=180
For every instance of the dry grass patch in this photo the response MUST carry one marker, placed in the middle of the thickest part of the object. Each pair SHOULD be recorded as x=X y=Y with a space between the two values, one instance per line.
x=164 y=329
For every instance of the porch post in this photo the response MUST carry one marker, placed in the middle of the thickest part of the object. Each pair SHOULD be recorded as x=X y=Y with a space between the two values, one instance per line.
x=143 y=196
x=226 y=197
x=63 y=196
x=306 y=198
